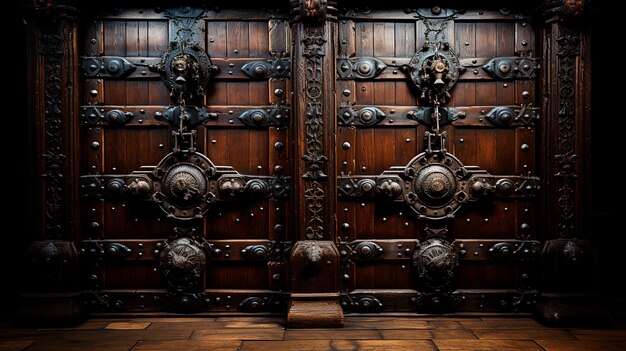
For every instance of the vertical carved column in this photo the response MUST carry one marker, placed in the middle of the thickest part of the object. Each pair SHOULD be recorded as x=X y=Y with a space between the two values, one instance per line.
x=52 y=258
x=569 y=260
x=314 y=260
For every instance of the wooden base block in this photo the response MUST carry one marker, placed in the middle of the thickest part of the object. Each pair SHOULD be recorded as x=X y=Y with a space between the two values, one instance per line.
x=315 y=312
x=50 y=308
x=571 y=310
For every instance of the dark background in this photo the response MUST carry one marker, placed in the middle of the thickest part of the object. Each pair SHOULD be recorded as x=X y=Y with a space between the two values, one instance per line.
x=607 y=125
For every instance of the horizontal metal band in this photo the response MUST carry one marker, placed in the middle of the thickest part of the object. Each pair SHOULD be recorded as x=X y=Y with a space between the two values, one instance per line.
x=407 y=300
x=114 y=250
x=215 y=115
x=475 y=68
x=126 y=67
x=150 y=300
x=464 y=116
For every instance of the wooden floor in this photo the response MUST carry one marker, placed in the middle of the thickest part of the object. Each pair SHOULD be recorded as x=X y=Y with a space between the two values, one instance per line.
x=359 y=333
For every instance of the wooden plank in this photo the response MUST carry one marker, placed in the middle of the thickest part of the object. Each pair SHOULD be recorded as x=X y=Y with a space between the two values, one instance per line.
x=80 y=345
x=237 y=39
x=569 y=345
x=188 y=345
x=524 y=38
x=600 y=334
x=328 y=334
x=407 y=334
x=15 y=345
x=239 y=334
x=501 y=323
x=334 y=345
x=91 y=335
x=410 y=324
x=523 y=334
x=486 y=345
x=129 y=325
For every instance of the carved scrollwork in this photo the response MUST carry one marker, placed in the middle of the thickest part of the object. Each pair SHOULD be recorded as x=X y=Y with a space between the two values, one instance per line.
x=435 y=262
x=506 y=116
x=275 y=117
x=368 y=116
x=106 y=67
x=359 y=67
x=424 y=115
x=279 y=68
x=509 y=68
x=183 y=262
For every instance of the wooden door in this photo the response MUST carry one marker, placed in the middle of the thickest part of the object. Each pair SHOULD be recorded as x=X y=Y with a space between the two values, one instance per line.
x=437 y=217
x=315 y=159
x=163 y=201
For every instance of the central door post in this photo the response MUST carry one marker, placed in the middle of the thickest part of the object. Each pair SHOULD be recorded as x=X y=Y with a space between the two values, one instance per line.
x=314 y=258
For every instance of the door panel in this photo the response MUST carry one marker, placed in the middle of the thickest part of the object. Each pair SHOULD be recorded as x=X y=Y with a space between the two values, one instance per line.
x=231 y=258
x=400 y=236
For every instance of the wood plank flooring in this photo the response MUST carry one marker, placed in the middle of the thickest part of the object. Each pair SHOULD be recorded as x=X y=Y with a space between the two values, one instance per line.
x=269 y=333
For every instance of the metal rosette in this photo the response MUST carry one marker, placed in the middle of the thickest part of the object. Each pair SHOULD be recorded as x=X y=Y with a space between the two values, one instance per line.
x=435 y=263
x=437 y=187
x=183 y=262
x=186 y=68
x=432 y=63
x=185 y=186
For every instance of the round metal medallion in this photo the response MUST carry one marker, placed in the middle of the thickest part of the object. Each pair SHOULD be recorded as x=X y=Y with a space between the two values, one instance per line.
x=435 y=263
x=185 y=185
x=183 y=262
x=435 y=185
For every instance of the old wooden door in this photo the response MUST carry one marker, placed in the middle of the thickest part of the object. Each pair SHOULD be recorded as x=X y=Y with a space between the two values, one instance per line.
x=312 y=159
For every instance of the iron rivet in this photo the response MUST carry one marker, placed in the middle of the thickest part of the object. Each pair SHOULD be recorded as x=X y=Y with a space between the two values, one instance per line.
x=140 y=121
x=211 y=40
x=345 y=145
x=345 y=209
x=93 y=41
x=213 y=141
x=436 y=10
x=467 y=219
x=384 y=219
x=278 y=92
x=474 y=61
x=236 y=51
x=362 y=204
x=259 y=168
x=95 y=145
x=231 y=65
x=524 y=42
x=345 y=163
x=525 y=147
x=362 y=88
x=392 y=111
x=395 y=71
x=525 y=94
x=475 y=71
x=230 y=121
x=279 y=145
x=461 y=140
x=506 y=209
x=346 y=92
x=363 y=168
x=505 y=85
x=237 y=220
x=486 y=219
x=466 y=44
x=407 y=140
x=278 y=169
x=93 y=93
